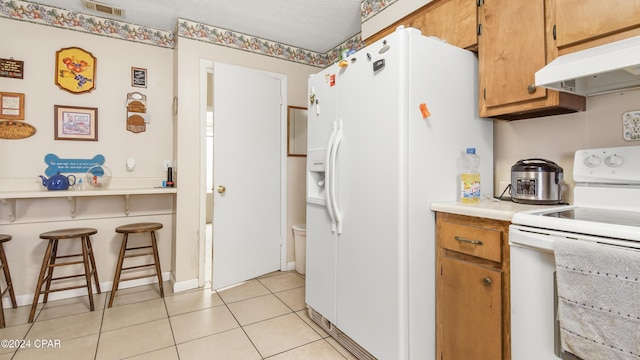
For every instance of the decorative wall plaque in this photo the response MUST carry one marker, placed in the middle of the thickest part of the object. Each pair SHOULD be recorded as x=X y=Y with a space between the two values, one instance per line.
x=11 y=68
x=137 y=117
x=138 y=77
x=75 y=70
x=15 y=130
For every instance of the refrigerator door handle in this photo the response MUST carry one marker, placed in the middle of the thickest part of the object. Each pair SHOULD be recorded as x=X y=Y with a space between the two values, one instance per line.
x=332 y=165
x=327 y=177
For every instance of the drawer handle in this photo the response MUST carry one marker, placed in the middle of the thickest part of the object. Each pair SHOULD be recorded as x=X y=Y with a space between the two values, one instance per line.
x=486 y=281
x=474 y=242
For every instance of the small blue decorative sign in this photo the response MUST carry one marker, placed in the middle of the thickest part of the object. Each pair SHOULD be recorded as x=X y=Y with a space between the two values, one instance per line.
x=70 y=165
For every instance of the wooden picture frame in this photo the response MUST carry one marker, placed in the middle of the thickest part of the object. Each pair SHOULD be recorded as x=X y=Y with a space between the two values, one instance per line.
x=75 y=70
x=75 y=123
x=138 y=77
x=11 y=106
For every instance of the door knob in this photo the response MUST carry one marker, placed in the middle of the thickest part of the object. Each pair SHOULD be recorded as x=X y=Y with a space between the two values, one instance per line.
x=221 y=189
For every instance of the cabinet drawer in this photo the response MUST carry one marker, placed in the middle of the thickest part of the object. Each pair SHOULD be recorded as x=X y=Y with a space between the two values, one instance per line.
x=472 y=240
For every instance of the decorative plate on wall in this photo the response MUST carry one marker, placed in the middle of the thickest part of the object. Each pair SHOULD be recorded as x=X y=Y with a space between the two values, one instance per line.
x=75 y=70
x=15 y=130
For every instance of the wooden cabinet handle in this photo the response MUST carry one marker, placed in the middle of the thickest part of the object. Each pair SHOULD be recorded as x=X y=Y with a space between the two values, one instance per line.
x=474 y=242
x=486 y=281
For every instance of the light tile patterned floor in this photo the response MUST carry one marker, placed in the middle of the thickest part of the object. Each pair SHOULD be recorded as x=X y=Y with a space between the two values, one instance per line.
x=264 y=318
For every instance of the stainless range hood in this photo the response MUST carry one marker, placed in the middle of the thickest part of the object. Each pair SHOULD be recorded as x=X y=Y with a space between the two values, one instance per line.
x=599 y=70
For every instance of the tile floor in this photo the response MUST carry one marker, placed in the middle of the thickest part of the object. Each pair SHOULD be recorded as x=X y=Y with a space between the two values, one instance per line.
x=264 y=318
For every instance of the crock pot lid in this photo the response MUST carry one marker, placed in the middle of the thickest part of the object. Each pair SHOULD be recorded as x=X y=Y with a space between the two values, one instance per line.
x=536 y=165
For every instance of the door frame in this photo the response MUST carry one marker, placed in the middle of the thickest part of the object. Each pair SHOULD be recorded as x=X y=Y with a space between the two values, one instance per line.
x=206 y=66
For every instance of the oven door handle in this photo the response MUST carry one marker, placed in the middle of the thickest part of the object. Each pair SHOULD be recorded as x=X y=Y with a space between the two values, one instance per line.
x=530 y=239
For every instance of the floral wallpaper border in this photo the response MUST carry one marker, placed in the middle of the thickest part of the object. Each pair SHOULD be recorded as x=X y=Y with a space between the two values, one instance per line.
x=219 y=36
x=72 y=20
x=371 y=8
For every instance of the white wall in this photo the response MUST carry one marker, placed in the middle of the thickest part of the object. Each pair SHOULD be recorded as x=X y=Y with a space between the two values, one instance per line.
x=36 y=45
x=188 y=148
x=22 y=160
x=556 y=138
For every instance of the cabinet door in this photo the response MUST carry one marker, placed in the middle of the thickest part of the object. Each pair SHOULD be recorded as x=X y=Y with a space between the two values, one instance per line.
x=454 y=21
x=580 y=21
x=469 y=311
x=511 y=49
x=512 y=46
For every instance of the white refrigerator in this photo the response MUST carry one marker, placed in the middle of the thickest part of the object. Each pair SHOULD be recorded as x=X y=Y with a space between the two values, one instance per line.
x=386 y=127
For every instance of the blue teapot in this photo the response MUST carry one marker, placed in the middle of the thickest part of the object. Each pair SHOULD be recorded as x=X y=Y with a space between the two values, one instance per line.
x=58 y=181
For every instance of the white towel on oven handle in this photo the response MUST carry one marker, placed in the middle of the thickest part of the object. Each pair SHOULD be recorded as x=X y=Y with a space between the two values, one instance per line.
x=598 y=299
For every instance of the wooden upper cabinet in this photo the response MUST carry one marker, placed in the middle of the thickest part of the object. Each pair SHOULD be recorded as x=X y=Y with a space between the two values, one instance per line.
x=512 y=46
x=582 y=24
x=454 y=21
x=511 y=50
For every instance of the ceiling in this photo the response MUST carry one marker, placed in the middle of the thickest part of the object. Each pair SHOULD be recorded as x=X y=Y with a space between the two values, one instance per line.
x=313 y=25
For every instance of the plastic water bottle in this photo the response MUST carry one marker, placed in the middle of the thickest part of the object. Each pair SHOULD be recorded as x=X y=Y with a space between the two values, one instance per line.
x=469 y=165
x=78 y=185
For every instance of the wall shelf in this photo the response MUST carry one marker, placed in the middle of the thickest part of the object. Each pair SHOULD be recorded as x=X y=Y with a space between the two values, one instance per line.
x=8 y=198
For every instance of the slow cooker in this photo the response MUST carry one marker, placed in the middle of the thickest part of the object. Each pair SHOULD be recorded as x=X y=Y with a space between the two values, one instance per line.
x=536 y=181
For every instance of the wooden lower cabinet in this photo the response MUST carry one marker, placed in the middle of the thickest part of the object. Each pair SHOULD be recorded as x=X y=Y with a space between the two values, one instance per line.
x=472 y=288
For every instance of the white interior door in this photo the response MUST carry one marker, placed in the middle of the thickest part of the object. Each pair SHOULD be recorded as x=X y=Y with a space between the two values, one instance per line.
x=247 y=174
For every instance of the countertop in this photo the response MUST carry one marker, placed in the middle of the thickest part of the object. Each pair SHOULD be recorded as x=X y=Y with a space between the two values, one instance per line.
x=43 y=193
x=497 y=210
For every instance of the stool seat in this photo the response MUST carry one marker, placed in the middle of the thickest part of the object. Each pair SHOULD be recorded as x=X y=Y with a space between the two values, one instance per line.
x=7 y=277
x=49 y=264
x=68 y=233
x=137 y=228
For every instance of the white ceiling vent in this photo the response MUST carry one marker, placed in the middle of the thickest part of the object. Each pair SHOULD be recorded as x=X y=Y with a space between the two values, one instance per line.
x=102 y=8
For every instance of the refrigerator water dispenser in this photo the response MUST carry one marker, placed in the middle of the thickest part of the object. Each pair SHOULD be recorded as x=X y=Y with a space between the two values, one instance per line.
x=315 y=176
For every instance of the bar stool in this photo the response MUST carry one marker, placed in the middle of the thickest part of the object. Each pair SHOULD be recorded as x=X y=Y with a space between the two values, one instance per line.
x=49 y=263
x=146 y=227
x=7 y=277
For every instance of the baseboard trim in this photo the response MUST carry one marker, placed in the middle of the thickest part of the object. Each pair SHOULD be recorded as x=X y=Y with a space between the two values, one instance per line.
x=179 y=286
x=27 y=299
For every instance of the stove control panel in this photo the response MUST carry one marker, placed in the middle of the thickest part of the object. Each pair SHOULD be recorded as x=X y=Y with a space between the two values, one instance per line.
x=614 y=165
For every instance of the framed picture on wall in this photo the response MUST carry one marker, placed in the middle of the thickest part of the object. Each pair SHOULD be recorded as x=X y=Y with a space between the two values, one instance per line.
x=75 y=123
x=138 y=77
x=12 y=106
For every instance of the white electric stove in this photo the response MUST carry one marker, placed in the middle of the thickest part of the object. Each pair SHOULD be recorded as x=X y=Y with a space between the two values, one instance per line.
x=606 y=210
